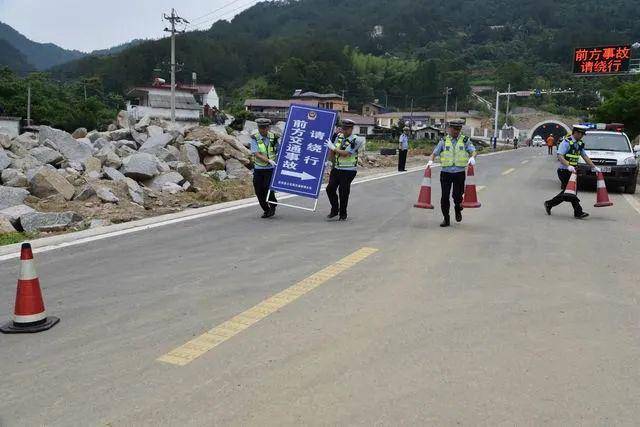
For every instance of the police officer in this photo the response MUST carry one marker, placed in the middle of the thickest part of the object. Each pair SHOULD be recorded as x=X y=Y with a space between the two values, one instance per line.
x=264 y=146
x=344 y=154
x=456 y=152
x=570 y=149
x=403 y=148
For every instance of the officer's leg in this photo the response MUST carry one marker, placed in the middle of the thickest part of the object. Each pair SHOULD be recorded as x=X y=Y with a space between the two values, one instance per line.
x=564 y=175
x=402 y=161
x=260 y=189
x=445 y=185
x=458 y=192
x=332 y=189
x=345 y=189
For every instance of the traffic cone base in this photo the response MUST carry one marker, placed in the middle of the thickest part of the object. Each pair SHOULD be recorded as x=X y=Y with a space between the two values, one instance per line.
x=470 y=198
x=602 y=196
x=29 y=314
x=424 y=198
x=29 y=328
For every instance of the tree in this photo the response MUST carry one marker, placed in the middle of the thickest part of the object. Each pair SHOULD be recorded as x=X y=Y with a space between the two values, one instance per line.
x=622 y=106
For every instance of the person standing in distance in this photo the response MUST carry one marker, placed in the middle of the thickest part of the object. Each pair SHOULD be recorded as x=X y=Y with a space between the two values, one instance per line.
x=344 y=153
x=550 y=143
x=569 y=152
x=456 y=152
x=403 y=148
x=264 y=146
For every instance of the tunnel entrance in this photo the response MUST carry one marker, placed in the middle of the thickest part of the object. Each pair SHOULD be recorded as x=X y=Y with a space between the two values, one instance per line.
x=550 y=127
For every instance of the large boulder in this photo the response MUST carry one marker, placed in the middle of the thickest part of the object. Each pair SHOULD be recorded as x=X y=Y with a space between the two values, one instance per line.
x=14 y=178
x=5 y=140
x=92 y=164
x=189 y=171
x=25 y=163
x=50 y=221
x=140 y=166
x=244 y=139
x=79 y=133
x=142 y=125
x=85 y=193
x=103 y=142
x=214 y=163
x=235 y=169
x=123 y=120
x=159 y=181
x=106 y=195
x=250 y=126
x=237 y=145
x=14 y=213
x=46 y=182
x=68 y=146
x=231 y=153
x=188 y=153
x=5 y=161
x=221 y=129
x=108 y=157
x=10 y=196
x=119 y=134
x=125 y=151
x=28 y=140
x=113 y=174
x=6 y=226
x=46 y=155
x=157 y=141
x=217 y=149
x=139 y=137
x=154 y=130
x=135 y=191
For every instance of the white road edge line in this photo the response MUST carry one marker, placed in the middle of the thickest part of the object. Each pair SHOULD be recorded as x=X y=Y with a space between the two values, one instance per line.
x=635 y=204
x=51 y=243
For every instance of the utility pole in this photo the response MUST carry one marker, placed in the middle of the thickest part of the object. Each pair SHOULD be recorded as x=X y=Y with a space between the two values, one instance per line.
x=495 y=124
x=447 y=91
x=506 y=116
x=29 y=105
x=411 y=119
x=173 y=19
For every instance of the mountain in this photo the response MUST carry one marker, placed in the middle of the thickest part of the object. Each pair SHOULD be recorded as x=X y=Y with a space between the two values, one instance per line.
x=14 y=59
x=40 y=55
x=387 y=49
x=118 y=48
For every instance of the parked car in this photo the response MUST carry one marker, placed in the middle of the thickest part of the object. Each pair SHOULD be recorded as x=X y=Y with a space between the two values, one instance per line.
x=612 y=152
x=538 y=141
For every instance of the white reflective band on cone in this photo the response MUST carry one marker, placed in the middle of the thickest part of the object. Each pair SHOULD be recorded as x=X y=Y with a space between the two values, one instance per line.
x=426 y=182
x=601 y=183
x=30 y=318
x=28 y=270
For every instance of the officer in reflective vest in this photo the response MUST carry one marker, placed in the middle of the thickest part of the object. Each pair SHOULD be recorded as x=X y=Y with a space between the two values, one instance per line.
x=569 y=152
x=344 y=154
x=264 y=146
x=456 y=152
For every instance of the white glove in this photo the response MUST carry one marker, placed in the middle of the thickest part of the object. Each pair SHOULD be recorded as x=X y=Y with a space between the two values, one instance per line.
x=571 y=169
x=330 y=145
x=430 y=163
x=272 y=163
x=472 y=161
x=597 y=169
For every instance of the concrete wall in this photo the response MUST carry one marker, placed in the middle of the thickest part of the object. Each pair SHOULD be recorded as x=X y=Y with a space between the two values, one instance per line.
x=138 y=112
x=10 y=126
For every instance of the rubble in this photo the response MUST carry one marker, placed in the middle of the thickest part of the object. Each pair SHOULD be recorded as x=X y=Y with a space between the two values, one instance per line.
x=49 y=221
x=14 y=178
x=46 y=182
x=10 y=196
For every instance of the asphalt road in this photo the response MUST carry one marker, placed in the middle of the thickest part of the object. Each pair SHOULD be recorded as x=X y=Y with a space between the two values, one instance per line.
x=511 y=317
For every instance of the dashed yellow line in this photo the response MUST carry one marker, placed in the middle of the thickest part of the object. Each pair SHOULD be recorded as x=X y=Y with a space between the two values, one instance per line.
x=200 y=345
x=508 y=171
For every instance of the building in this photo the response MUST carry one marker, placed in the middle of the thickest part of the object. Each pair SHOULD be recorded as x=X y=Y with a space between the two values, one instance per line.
x=330 y=101
x=274 y=109
x=10 y=126
x=372 y=108
x=364 y=125
x=421 y=119
x=206 y=95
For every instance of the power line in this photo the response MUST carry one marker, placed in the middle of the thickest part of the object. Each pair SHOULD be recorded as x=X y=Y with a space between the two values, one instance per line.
x=224 y=15
x=194 y=20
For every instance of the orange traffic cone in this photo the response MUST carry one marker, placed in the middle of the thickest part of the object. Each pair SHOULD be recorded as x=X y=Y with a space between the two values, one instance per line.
x=572 y=185
x=602 y=196
x=29 y=314
x=424 y=198
x=470 y=199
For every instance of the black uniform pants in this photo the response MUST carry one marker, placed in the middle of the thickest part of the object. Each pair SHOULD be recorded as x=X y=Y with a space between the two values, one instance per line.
x=449 y=180
x=261 y=183
x=402 y=159
x=550 y=149
x=564 y=176
x=340 y=184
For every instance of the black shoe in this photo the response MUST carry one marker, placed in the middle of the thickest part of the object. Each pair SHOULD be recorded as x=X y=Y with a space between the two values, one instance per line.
x=458 y=215
x=445 y=223
x=343 y=218
x=547 y=207
x=266 y=214
x=583 y=215
x=332 y=215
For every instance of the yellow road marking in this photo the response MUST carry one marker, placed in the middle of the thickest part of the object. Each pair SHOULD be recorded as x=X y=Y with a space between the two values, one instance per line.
x=221 y=333
x=508 y=171
x=524 y=162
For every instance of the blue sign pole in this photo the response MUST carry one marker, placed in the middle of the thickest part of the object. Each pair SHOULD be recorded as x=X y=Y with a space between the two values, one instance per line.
x=302 y=152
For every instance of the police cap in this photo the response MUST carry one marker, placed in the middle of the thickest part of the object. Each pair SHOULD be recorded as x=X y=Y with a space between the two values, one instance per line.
x=263 y=123
x=346 y=123
x=406 y=128
x=580 y=128
x=456 y=124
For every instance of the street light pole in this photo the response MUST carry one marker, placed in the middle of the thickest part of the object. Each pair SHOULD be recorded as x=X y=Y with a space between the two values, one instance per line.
x=495 y=124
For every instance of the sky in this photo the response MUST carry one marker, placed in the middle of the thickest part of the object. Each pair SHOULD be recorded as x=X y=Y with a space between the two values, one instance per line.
x=88 y=25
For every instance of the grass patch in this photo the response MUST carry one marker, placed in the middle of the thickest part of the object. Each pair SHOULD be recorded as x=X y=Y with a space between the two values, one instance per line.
x=11 y=238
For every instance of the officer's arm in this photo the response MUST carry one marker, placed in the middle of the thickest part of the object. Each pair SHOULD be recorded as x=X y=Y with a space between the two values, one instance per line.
x=587 y=159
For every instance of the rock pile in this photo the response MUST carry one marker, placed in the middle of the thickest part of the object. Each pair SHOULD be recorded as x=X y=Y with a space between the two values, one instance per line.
x=139 y=160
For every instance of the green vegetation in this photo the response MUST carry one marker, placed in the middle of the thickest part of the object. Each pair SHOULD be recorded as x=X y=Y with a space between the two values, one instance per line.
x=61 y=105
x=622 y=105
x=11 y=238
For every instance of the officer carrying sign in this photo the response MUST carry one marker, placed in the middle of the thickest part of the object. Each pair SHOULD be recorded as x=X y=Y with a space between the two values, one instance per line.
x=302 y=153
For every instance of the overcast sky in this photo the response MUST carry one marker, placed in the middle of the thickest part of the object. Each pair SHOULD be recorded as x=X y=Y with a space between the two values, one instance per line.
x=88 y=25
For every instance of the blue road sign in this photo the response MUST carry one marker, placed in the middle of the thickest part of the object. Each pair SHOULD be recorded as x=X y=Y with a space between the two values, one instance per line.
x=302 y=152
